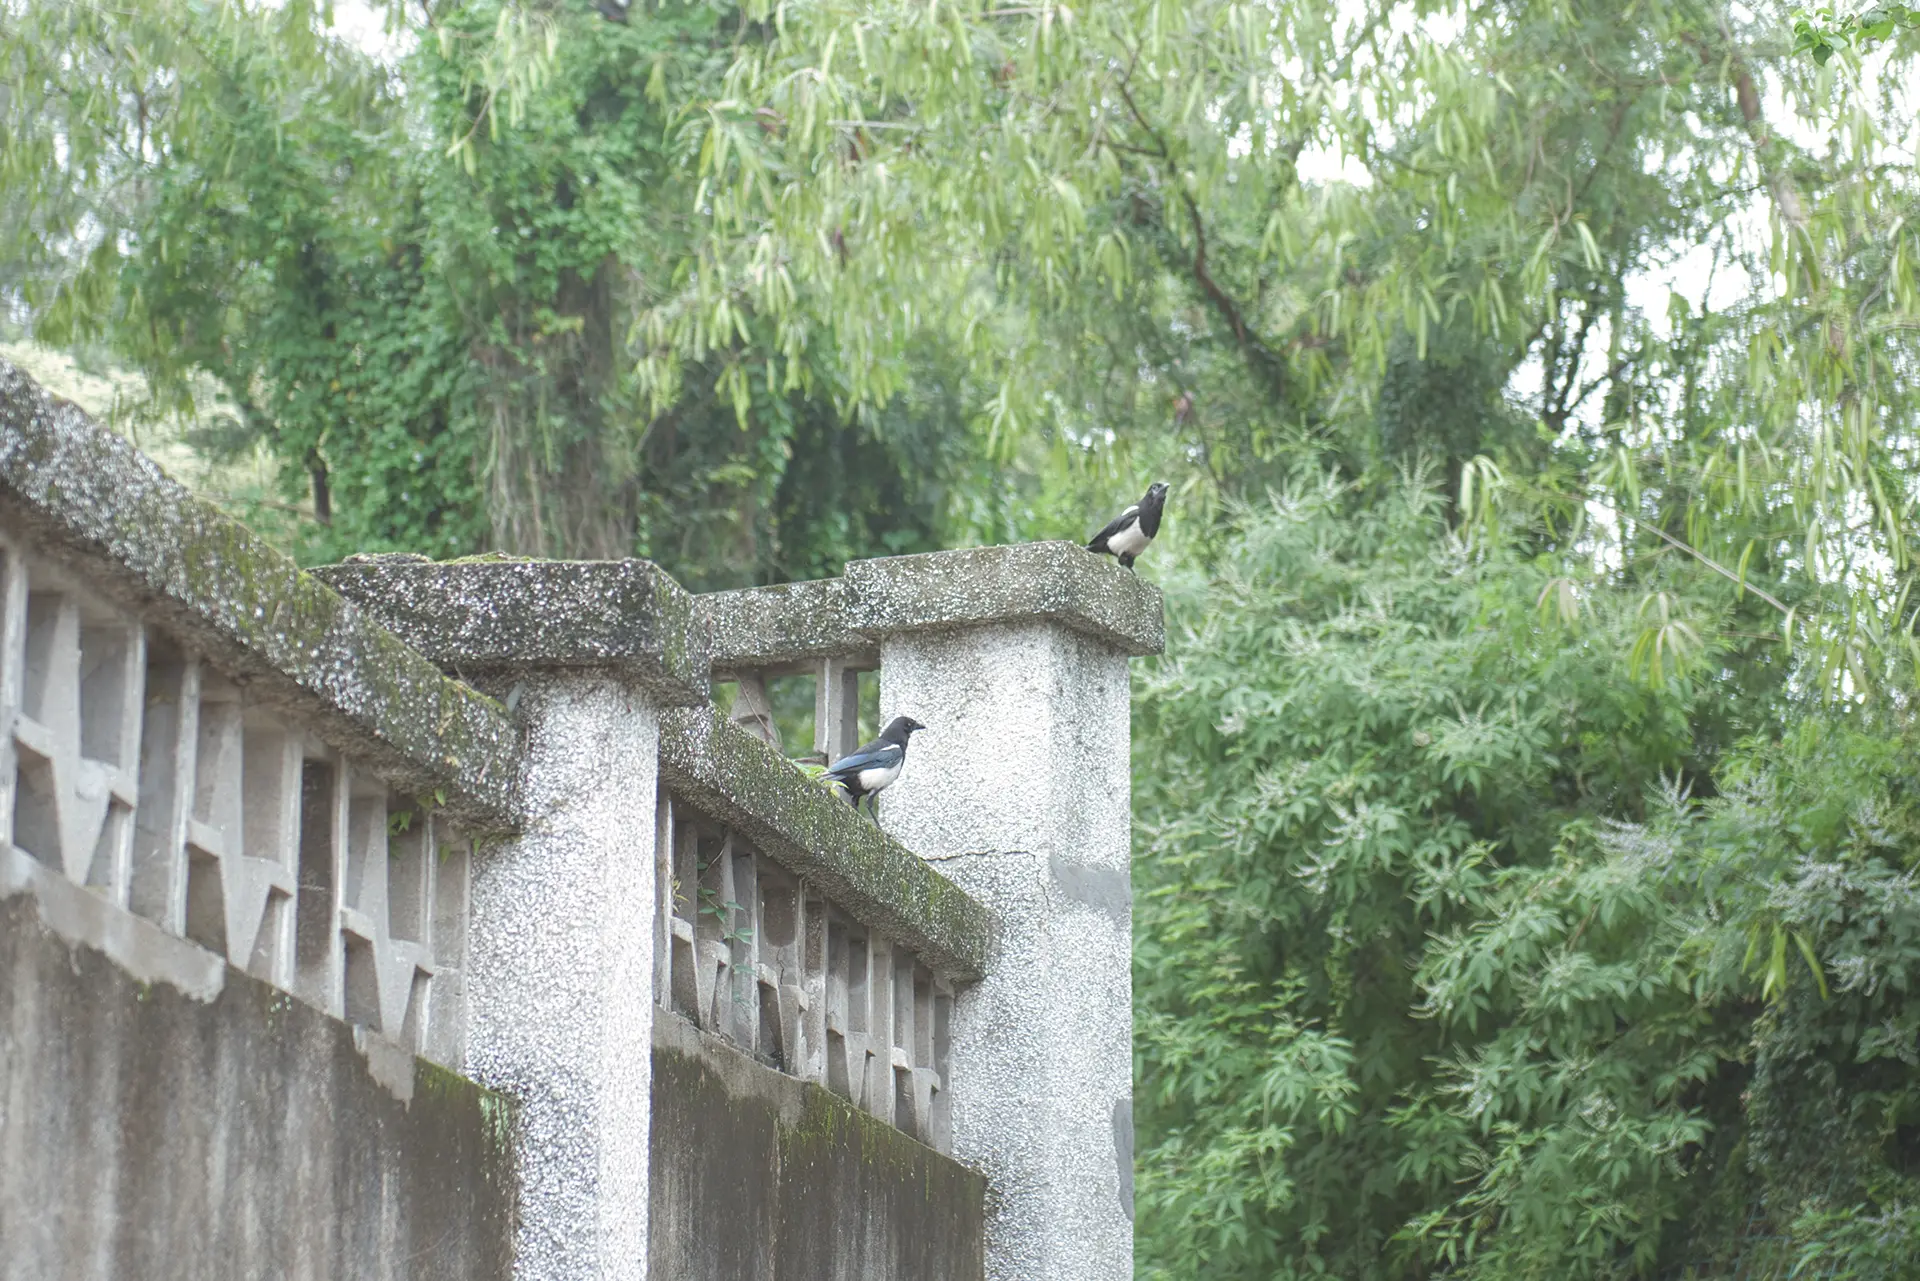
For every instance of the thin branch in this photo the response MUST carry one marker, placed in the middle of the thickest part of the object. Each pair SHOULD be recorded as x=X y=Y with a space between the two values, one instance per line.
x=1255 y=348
x=1720 y=569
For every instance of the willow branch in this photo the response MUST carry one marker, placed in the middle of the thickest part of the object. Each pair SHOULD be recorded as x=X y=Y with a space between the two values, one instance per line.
x=1720 y=569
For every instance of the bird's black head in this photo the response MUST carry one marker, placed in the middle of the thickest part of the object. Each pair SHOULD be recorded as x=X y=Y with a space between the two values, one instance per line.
x=900 y=729
x=1156 y=496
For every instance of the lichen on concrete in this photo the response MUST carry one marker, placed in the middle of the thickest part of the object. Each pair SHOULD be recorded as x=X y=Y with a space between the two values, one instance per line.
x=84 y=496
x=758 y=1174
x=489 y=615
x=1054 y=582
x=768 y=628
x=760 y=627
x=741 y=781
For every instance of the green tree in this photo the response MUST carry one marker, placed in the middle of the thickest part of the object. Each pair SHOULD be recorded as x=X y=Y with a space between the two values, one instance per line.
x=419 y=281
x=1103 y=207
x=1471 y=944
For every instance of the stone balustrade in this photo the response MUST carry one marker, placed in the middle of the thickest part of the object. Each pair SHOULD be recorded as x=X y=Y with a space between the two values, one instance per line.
x=485 y=818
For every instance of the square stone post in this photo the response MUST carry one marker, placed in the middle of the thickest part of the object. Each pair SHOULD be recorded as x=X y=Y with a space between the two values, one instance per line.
x=1015 y=658
x=560 y=968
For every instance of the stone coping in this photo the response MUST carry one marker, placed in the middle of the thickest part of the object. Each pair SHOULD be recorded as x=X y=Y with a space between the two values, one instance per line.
x=503 y=615
x=91 y=499
x=739 y=780
x=791 y=623
x=845 y=618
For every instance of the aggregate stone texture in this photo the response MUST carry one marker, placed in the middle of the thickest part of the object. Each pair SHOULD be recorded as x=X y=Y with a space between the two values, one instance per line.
x=560 y=983
x=229 y=1131
x=761 y=1177
x=810 y=830
x=494 y=614
x=844 y=618
x=1018 y=791
x=1055 y=582
x=758 y=627
x=85 y=495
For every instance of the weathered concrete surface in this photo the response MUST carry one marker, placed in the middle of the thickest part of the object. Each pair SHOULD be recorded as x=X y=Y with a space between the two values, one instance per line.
x=560 y=978
x=761 y=1177
x=237 y=1132
x=489 y=615
x=1018 y=791
x=739 y=780
x=93 y=500
x=758 y=627
x=1064 y=583
x=1061 y=583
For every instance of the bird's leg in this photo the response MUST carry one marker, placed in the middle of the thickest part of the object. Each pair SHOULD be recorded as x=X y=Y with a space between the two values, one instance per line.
x=1127 y=561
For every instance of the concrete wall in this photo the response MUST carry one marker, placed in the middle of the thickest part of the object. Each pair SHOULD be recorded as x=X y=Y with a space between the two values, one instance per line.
x=761 y=1177
x=146 y=1133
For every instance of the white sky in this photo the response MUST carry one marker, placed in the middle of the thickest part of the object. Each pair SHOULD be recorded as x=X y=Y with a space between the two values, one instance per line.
x=363 y=24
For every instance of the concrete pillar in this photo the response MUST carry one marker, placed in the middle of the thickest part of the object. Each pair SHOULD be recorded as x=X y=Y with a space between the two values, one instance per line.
x=560 y=979
x=560 y=967
x=1016 y=661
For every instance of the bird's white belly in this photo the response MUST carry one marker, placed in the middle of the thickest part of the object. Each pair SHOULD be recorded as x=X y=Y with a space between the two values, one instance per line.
x=1129 y=541
x=876 y=777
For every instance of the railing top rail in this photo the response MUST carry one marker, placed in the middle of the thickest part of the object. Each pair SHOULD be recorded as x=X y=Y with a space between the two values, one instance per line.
x=844 y=618
x=741 y=781
x=90 y=497
x=788 y=623
x=504 y=615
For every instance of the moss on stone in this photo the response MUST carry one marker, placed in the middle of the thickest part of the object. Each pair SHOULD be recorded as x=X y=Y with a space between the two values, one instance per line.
x=844 y=618
x=500 y=615
x=783 y=624
x=83 y=495
x=824 y=1187
x=740 y=780
x=441 y=1087
x=828 y=1123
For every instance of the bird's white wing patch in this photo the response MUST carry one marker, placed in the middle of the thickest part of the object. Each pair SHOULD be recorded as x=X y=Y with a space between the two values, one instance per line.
x=875 y=777
x=1130 y=541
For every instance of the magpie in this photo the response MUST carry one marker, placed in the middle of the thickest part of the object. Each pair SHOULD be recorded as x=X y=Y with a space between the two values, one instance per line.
x=872 y=766
x=1130 y=532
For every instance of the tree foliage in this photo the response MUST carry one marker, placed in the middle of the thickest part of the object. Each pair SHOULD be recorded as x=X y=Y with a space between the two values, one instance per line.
x=1104 y=208
x=419 y=281
x=1822 y=34
x=1047 y=245
x=1463 y=950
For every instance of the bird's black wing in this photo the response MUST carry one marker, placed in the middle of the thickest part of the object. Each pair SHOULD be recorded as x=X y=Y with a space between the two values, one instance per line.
x=874 y=755
x=1098 y=543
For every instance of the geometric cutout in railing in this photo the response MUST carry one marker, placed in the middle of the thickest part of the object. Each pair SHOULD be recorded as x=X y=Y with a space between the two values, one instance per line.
x=130 y=766
x=748 y=952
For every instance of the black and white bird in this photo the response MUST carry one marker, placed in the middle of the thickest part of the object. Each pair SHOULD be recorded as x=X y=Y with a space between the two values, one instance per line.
x=1128 y=534
x=872 y=767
